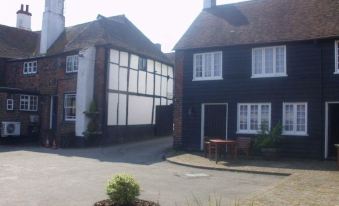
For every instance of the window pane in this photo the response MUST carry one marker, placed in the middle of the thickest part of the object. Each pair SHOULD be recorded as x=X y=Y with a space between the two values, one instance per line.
x=208 y=65
x=269 y=60
x=301 y=118
x=280 y=60
x=198 y=65
x=217 y=65
x=243 y=117
x=254 y=117
x=265 y=115
x=257 y=61
x=289 y=118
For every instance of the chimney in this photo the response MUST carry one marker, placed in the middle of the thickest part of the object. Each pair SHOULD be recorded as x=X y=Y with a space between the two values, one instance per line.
x=209 y=4
x=53 y=24
x=23 y=18
x=158 y=46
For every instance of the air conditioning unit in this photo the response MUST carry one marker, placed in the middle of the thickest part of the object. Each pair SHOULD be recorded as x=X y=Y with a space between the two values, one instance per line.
x=10 y=129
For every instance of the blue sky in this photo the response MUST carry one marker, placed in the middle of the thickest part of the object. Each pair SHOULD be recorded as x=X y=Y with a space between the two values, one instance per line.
x=162 y=21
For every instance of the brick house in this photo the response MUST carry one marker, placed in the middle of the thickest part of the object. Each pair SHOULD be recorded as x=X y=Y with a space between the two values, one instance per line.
x=50 y=78
x=260 y=62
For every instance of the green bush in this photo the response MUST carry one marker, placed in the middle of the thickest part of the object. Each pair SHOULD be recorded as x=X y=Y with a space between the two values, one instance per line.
x=269 y=138
x=122 y=189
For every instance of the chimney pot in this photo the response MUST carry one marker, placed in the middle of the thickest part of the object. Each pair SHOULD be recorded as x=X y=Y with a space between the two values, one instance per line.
x=22 y=7
x=27 y=8
x=209 y=4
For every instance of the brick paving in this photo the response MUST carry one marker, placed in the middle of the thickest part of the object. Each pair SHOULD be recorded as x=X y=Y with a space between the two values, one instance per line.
x=309 y=182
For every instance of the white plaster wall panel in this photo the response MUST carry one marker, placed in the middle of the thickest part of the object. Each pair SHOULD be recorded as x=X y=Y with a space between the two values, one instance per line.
x=156 y=103
x=114 y=56
x=123 y=79
x=85 y=89
x=134 y=61
x=112 y=109
x=169 y=102
x=124 y=59
x=142 y=82
x=150 y=65
x=122 y=109
x=170 y=72
x=150 y=83
x=164 y=69
x=158 y=67
x=157 y=85
x=113 y=82
x=170 y=88
x=140 y=110
x=133 y=81
x=163 y=86
x=163 y=101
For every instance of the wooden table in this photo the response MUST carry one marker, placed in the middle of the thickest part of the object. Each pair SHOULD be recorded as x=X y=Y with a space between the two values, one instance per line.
x=337 y=146
x=220 y=142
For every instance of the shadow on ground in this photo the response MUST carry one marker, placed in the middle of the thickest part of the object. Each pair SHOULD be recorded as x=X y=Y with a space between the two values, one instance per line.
x=144 y=152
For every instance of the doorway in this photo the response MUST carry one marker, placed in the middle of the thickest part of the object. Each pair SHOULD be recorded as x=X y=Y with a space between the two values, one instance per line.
x=53 y=113
x=332 y=136
x=213 y=121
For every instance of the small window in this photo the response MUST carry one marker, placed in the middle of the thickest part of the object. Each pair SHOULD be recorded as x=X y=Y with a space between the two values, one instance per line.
x=10 y=104
x=336 y=47
x=269 y=62
x=30 y=67
x=251 y=117
x=207 y=66
x=142 y=65
x=72 y=64
x=70 y=107
x=29 y=103
x=295 y=118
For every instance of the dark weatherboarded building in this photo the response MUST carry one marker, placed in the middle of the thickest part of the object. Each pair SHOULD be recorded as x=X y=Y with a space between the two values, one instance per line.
x=261 y=62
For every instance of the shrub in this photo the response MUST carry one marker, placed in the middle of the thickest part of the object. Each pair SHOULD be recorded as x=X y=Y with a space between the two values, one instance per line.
x=269 y=138
x=122 y=189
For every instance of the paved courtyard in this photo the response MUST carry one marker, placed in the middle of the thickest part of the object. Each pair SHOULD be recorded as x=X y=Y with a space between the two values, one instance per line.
x=34 y=176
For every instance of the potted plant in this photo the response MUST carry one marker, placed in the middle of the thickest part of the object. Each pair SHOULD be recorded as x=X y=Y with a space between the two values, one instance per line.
x=268 y=141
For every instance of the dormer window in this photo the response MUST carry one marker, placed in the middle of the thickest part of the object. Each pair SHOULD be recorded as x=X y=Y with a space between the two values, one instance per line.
x=336 y=47
x=269 y=62
x=207 y=66
x=72 y=64
x=30 y=67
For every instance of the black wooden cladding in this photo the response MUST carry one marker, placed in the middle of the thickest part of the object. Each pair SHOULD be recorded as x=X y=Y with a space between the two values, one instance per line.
x=310 y=68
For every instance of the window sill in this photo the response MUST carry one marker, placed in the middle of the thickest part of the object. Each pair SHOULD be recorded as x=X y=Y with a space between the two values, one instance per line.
x=268 y=76
x=247 y=132
x=336 y=72
x=294 y=134
x=208 y=79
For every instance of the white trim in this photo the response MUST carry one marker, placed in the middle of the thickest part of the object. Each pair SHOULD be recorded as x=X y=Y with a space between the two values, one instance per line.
x=212 y=77
x=326 y=126
x=66 y=118
x=249 y=131
x=11 y=108
x=202 y=130
x=28 y=101
x=263 y=61
x=336 y=56
x=74 y=60
x=30 y=67
x=294 y=132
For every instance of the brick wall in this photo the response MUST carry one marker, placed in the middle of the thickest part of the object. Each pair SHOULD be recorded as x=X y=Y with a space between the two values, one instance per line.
x=51 y=79
x=178 y=92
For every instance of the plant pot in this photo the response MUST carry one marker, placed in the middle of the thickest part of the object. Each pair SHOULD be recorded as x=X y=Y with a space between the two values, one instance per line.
x=270 y=153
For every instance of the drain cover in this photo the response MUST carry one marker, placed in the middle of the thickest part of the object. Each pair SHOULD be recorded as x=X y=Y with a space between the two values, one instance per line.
x=196 y=175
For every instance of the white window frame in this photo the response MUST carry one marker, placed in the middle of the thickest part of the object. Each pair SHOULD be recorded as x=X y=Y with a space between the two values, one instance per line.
x=10 y=104
x=67 y=117
x=263 y=67
x=72 y=64
x=30 y=67
x=248 y=130
x=27 y=100
x=295 y=132
x=213 y=77
x=336 y=57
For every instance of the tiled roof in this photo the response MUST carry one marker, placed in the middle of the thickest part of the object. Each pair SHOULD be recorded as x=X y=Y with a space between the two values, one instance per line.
x=17 y=43
x=262 y=21
x=116 y=31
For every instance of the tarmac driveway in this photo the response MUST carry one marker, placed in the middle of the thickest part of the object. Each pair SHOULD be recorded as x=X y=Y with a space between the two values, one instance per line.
x=33 y=176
